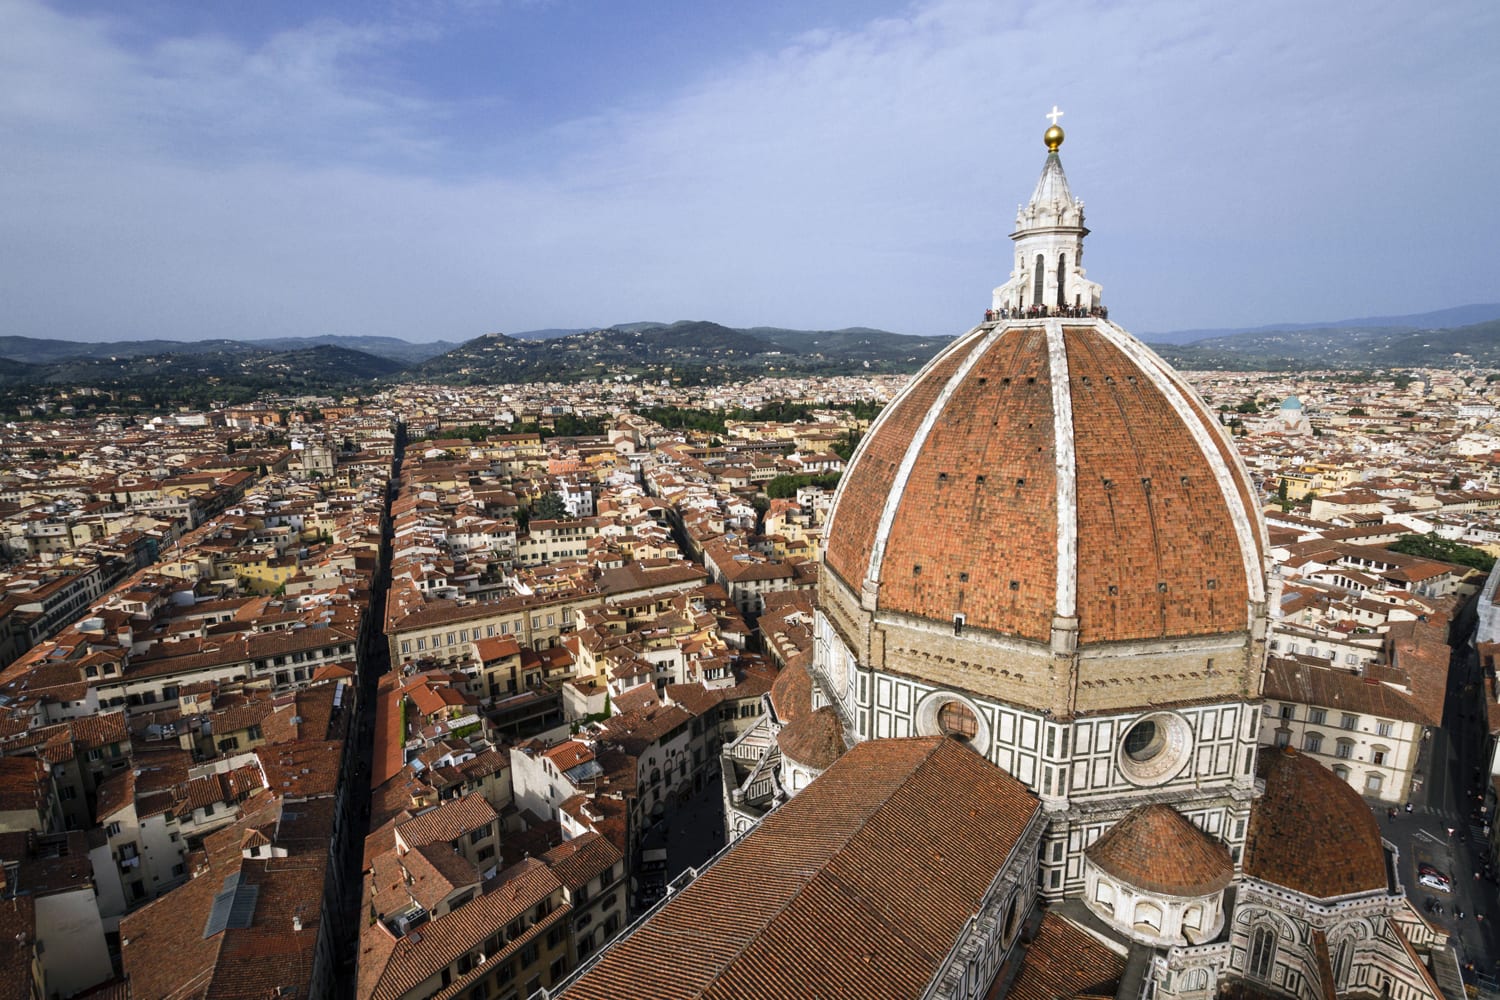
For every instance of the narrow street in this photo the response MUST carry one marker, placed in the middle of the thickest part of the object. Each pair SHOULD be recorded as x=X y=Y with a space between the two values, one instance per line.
x=374 y=660
x=1445 y=828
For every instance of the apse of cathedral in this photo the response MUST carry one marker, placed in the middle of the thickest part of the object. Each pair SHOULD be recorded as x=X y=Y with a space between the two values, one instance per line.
x=1024 y=762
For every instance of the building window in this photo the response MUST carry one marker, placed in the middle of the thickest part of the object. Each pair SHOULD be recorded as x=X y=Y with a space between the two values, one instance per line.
x=1378 y=755
x=1342 y=772
x=1317 y=716
x=1350 y=722
x=1288 y=711
x=1373 y=781
x=1148 y=915
x=1383 y=728
x=1144 y=741
x=1345 y=749
x=1313 y=742
x=955 y=719
x=1262 y=953
x=1343 y=960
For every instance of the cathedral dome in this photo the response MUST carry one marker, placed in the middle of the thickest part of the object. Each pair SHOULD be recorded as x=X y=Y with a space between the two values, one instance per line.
x=1043 y=469
x=1056 y=494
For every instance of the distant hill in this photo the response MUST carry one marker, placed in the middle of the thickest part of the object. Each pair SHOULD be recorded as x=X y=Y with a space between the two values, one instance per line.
x=235 y=374
x=33 y=350
x=855 y=343
x=1342 y=347
x=550 y=333
x=689 y=350
x=159 y=372
x=392 y=348
x=1439 y=319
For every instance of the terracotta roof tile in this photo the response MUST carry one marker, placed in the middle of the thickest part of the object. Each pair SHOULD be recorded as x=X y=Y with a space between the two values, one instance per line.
x=1157 y=849
x=1158 y=551
x=1311 y=832
x=447 y=822
x=855 y=888
x=1064 y=962
x=815 y=740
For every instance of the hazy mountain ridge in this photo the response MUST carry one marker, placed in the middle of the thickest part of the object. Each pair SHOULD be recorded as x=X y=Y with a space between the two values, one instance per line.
x=1438 y=319
x=687 y=348
x=237 y=374
x=691 y=351
x=1342 y=347
x=36 y=351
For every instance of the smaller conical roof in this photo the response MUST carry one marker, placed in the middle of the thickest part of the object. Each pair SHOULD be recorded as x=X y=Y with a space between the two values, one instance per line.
x=1155 y=848
x=814 y=740
x=791 y=693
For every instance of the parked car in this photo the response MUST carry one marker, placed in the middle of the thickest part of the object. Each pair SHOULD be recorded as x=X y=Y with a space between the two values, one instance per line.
x=1433 y=881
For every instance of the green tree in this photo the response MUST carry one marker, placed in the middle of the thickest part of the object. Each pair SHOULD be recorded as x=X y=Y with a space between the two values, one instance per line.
x=784 y=487
x=1443 y=550
x=845 y=449
x=550 y=508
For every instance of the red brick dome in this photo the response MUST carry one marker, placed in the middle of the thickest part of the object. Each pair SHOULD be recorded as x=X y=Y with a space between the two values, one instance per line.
x=813 y=740
x=1311 y=832
x=1044 y=469
x=1156 y=849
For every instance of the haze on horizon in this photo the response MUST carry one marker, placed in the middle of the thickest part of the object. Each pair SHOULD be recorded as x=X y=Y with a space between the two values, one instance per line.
x=444 y=170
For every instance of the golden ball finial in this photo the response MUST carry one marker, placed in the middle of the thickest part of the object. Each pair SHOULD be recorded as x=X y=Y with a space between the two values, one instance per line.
x=1053 y=137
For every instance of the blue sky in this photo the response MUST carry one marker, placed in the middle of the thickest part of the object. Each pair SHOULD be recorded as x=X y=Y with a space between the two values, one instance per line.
x=441 y=170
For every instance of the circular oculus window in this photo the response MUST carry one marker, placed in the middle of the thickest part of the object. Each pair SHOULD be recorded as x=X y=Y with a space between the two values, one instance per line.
x=943 y=713
x=1155 y=748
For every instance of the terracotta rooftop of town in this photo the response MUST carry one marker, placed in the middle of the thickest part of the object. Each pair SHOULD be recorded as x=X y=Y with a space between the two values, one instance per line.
x=1157 y=849
x=1035 y=470
x=1311 y=832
